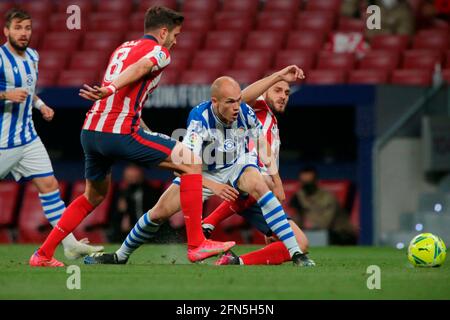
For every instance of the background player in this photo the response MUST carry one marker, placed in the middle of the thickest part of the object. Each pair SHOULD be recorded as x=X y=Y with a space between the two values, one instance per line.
x=218 y=129
x=21 y=150
x=111 y=132
x=267 y=96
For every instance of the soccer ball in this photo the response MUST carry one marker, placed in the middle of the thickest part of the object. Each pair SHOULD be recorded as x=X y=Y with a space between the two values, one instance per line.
x=427 y=250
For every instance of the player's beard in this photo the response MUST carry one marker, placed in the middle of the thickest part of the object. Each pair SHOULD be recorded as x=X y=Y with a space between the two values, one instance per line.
x=17 y=46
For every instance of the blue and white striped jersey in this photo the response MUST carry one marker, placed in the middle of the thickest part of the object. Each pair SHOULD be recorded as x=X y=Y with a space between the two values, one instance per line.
x=16 y=123
x=219 y=145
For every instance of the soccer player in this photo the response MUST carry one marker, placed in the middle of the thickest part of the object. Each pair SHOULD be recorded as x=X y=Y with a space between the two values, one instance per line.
x=219 y=131
x=21 y=150
x=113 y=131
x=267 y=96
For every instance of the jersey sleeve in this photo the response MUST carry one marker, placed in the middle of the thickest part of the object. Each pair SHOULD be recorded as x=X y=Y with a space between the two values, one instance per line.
x=253 y=124
x=197 y=132
x=159 y=56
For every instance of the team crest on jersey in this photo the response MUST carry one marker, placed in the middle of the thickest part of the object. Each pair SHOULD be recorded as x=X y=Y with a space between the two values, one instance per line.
x=196 y=126
x=29 y=80
x=229 y=145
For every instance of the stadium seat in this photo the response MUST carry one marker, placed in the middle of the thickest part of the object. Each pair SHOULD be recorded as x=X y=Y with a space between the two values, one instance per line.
x=143 y=5
x=233 y=21
x=250 y=59
x=198 y=78
x=170 y=76
x=101 y=41
x=189 y=41
x=205 y=6
x=248 y=7
x=413 y=77
x=432 y=32
x=275 y=21
x=326 y=77
x=35 y=41
x=136 y=22
x=218 y=60
x=9 y=193
x=38 y=9
x=40 y=26
x=7 y=5
x=71 y=78
x=315 y=21
x=47 y=78
x=264 y=41
x=433 y=41
x=390 y=42
x=88 y=60
x=244 y=77
x=418 y=59
x=86 y=6
x=115 y=6
x=282 y=6
x=133 y=35
x=324 y=5
x=180 y=60
x=351 y=25
x=305 y=40
x=61 y=41
x=32 y=224
x=52 y=60
x=304 y=59
x=332 y=61
x=200 y=23
x=110 y=22
x=380 y=60
x=224 y=40
x=92 y=225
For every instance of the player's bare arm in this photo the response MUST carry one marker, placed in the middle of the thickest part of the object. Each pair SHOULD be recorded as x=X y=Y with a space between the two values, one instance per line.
x=46 y=111
x=290 y=74
x=18 y=95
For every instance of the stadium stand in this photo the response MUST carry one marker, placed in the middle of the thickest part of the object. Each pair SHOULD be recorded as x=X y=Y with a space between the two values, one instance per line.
x=9 y=196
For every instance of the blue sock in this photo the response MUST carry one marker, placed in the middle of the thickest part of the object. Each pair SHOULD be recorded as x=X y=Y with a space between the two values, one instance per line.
x=277 y=221
x=143 y=231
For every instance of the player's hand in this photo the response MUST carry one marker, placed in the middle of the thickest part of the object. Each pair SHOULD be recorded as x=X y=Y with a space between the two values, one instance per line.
x=94 y=93
x=16 y=95
x=225 y=192
x=278 y=192
x=47 y=113
x=291 y=74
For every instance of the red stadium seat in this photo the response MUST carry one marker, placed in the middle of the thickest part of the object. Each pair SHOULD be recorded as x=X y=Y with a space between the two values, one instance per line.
x=110 y=22
x=145 y=4
x=116 y=6
x=35 y=41
x=189 y=41
x=92 y=225
x=62 y=41
x=351 y=25
x=5 y=6
x=371 y=76
x=305 y=40
x=133 y=35
x=169 y=77
x=413 y=77
x=380 y=60
x=264 y=40
x=432 y=32
x=88 y=60
x=390 y=42
x=33 y=225
x=52 y=60
x=47 y=78
x=212 y=60
x=447 y=59
x=316 y=21
x=38 y=9
x=324 y=5
x=201 y=22
x=326 y=77
x=40 y=25
x=9 y=192
x=418 y=59
x=136 y=22
x=101 y=41
x=282 y=5
x=86 y=6
x=248 y=7
x=446 y=75
x=233 y=21
x=304 y=59
x=274 y=21
x=194 y=77
x=437 y=41
x=205 y=6
x=244 y=76
x=180 y=60
x=71 y=78
x=224 y=40
x=250 y=59
x=339 y=61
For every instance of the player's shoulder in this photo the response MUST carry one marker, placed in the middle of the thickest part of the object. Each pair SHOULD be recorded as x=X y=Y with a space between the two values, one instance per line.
x=32 y=53
x=246 y=109
x=199 y=110
x=260 y=105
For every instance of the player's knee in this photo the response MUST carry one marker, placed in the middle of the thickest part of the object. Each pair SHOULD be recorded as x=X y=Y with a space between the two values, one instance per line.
x=95 y=199
x=193 y=169
x=260 y=188
x=159 y=213
x=48 y=184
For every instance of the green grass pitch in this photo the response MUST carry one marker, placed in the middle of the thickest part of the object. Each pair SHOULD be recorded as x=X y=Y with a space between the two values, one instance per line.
x=163 y=272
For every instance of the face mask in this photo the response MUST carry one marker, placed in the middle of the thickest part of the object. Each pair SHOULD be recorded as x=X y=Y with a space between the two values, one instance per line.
x=309 y=188
x=389 y=4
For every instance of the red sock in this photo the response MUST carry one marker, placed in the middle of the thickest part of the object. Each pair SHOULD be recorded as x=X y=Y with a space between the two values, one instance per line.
x=274 y=253
x=192 y=205
x=227 y=209
x=71 y=218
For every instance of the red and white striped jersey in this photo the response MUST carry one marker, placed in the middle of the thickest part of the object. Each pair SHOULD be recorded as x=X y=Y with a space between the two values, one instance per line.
x=121 y=112
x=269 y=124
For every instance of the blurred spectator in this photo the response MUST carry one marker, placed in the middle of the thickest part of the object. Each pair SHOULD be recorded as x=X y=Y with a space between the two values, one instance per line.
x=351 y=8
x=397 y=17
x=135 y=198
x=432 y=10
x=319 y=209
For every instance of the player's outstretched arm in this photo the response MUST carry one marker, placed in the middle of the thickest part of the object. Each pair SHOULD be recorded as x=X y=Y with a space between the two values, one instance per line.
x=131 y=74
x=252 y=92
